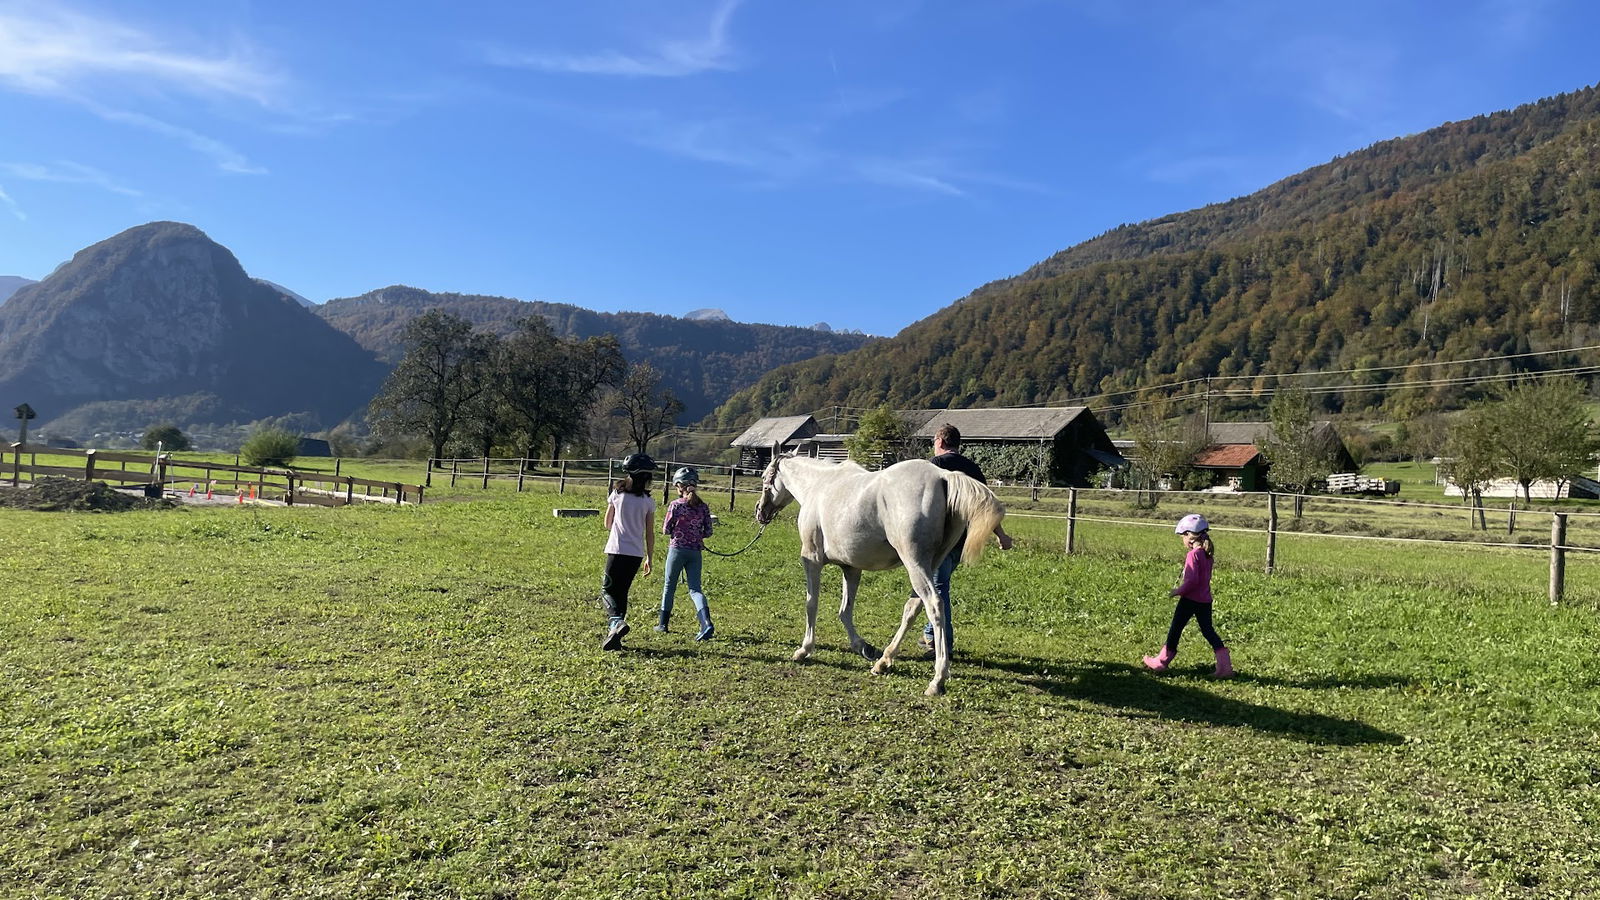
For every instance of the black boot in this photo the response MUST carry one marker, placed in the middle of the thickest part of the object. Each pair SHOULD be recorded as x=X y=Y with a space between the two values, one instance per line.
x=706 y=628
x=666 y=616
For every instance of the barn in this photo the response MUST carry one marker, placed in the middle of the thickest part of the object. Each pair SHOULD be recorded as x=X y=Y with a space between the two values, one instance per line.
x=1067 y=443
x=788 y=433
x=1070 y=443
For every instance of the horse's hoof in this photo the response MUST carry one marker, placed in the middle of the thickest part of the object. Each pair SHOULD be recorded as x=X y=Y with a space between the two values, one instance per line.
x=868 y=651
x=881 y=667
x=934 y=690
x=801 y=656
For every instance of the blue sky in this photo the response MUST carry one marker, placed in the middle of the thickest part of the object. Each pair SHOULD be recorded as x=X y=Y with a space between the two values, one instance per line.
x=859 y=162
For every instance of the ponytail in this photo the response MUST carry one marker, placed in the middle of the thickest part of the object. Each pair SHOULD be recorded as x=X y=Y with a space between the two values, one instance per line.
x=1204 y=539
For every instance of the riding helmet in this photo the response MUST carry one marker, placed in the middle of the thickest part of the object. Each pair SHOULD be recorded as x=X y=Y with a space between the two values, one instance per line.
x=1193 y=523
x=639 y=462
x=686 y=475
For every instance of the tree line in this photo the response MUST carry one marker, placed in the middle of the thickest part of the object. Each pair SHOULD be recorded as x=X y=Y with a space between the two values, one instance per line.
x=529 y=393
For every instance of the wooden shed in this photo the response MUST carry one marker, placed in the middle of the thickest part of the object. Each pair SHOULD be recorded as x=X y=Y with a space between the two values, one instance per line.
x=755 y=445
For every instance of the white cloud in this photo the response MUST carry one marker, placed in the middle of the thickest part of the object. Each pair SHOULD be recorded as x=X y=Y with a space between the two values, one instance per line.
x=226 y=158
x=64 y=172
x=11 y=204
x=667 y=59
x=105 y=66
x=47 y=49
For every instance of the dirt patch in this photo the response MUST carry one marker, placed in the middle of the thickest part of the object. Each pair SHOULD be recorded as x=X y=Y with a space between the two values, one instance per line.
x=64 y=494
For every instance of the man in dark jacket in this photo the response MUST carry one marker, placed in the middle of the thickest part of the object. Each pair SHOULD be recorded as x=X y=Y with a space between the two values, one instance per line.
x=947 y=455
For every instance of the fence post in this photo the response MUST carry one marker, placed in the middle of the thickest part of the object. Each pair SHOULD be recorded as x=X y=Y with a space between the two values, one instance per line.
x=486 y=473
x=1072 y=518
x=563 y=488
x=1511 y=516
x=288 y=490
x=16 y=465
x=455 y=471
x=522 y=471
x=1558 y=557
x=88 y=465
x=1272 y=531
x=427 y=477
x=733 y=482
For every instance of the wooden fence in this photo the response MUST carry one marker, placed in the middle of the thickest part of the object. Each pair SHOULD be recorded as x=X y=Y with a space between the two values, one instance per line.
x=162 y=472
x=714 y=478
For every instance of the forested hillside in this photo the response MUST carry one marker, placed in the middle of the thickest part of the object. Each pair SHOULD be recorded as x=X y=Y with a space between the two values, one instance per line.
x=702 y=361
x=1474 y=238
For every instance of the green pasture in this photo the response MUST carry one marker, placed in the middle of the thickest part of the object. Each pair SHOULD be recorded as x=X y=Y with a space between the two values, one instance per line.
x=410 y=702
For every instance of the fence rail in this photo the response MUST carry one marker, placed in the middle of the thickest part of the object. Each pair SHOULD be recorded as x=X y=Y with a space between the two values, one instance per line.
x=160 y=471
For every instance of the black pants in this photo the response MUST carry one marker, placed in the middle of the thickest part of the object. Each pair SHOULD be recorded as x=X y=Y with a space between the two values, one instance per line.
x=618 y=579
x=1200 y=612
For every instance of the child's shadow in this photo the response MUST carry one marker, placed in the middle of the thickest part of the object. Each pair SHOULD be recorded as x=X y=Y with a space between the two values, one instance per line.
x=1130 y=687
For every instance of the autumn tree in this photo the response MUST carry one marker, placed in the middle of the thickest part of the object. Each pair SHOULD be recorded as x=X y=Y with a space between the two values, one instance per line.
x=881 y=438
x=445 y=370
x=1300 y=454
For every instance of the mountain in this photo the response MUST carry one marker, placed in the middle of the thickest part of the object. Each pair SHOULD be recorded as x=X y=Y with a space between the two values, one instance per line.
x=1473 y=239
x=702 y=361
x=161 y=317
x=286 y=292
x=10 y=284
x=709 y=314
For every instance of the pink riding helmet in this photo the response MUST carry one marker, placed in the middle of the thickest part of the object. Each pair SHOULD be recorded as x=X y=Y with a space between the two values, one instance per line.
x=1193 y=523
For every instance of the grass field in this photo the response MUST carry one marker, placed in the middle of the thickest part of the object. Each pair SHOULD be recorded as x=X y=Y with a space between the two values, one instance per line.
x=410 y=702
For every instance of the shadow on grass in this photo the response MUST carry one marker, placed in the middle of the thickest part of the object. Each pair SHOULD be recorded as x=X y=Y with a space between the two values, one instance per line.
x=1130 y=687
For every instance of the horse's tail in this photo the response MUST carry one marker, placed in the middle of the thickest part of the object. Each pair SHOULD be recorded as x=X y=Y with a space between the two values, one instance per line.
x=972 y=506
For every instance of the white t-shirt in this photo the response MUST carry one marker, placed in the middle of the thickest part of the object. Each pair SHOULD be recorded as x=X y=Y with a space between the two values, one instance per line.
x=629 y=523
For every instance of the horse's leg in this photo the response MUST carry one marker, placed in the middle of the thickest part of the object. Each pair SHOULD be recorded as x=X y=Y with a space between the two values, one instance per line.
x=941 y=647
x=913 y=605
x=847 y=606
x=813 y=586
x=922 y=586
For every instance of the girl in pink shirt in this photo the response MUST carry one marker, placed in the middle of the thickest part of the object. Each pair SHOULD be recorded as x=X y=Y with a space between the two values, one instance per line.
x=1194 y=597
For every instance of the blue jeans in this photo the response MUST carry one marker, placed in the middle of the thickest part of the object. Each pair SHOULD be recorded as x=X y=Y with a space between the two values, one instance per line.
x=684 y=561
x=941 y=586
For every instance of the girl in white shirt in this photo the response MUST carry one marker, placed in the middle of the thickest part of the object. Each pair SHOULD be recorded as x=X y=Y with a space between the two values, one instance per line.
x=631 y=521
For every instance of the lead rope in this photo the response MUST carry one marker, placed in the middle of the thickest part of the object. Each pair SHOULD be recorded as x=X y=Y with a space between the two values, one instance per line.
x=759 y=533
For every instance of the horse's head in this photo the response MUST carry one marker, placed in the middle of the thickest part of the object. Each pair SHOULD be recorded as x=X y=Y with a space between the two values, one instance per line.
x=774 y=496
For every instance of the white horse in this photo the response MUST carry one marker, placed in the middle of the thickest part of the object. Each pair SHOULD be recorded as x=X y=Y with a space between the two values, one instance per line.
x=912 y=513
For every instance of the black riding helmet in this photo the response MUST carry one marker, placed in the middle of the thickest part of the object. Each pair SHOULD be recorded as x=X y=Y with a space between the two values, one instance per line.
x=639 y=462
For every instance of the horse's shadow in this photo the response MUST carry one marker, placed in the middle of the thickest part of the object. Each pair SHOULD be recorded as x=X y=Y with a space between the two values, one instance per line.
x=1130 y=687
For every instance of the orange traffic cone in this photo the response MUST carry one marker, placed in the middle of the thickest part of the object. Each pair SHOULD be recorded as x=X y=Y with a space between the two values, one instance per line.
x=208 y=490
x=192 y=488
x=252 y=492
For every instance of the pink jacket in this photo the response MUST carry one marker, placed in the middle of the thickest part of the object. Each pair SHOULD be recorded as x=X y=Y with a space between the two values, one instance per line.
x=1196 y=582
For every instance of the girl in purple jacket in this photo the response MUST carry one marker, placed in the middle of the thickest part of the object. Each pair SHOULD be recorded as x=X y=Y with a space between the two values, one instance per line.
x=688 y=524
x=1194 y=597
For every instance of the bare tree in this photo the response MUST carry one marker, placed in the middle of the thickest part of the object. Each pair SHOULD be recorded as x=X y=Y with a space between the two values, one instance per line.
x=650 y=409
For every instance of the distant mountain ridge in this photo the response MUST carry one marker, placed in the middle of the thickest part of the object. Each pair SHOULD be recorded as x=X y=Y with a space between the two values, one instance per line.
x=702 y=360
x=10 y=284
x=160 y=315
x=1475 y=238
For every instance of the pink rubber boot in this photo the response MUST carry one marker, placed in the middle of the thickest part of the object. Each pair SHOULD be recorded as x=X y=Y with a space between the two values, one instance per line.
x=1160 y=663
x=1224 y=664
